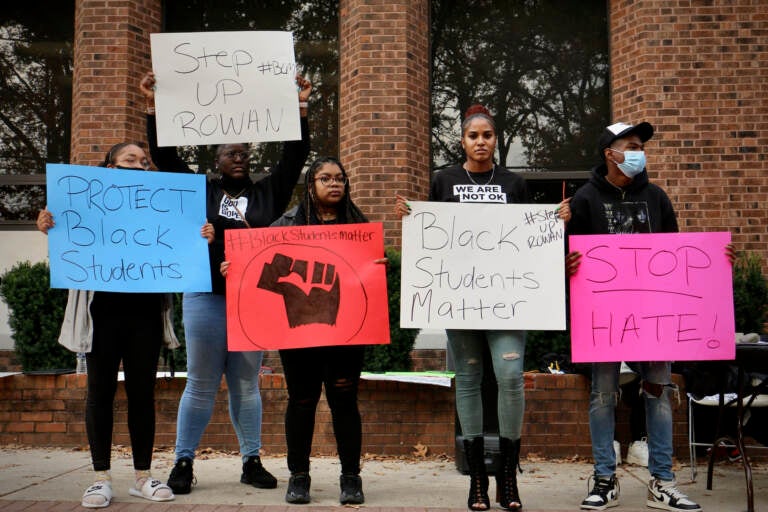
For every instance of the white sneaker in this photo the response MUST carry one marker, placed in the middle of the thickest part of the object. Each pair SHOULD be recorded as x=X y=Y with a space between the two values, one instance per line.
x=617 y=450
x=666 y=496
x=638 y=453
x=604 y=494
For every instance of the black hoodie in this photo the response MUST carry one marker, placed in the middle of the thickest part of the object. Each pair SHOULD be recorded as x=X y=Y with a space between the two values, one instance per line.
x=600 y=208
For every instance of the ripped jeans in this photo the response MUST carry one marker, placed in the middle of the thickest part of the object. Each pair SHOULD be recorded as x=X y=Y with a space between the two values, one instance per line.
x=507 y=350
x=658 y=413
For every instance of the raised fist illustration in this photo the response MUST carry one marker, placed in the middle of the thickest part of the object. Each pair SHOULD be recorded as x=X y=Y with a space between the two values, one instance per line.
x=310 y=296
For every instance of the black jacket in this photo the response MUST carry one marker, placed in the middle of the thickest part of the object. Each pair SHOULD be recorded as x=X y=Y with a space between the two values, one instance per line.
x=267 y=198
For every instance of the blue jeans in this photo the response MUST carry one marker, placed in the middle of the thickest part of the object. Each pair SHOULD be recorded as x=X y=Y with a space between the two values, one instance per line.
x=205 y=330
x=507 y=350
x=658 y=413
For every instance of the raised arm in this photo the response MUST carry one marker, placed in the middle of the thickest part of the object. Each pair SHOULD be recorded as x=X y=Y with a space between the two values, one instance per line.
x=166 y=158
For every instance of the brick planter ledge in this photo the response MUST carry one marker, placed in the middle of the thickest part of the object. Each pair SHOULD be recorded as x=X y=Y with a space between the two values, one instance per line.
x=47 y=410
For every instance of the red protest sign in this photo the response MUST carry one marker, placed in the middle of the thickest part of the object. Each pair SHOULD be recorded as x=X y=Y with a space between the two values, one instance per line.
x=306 y=286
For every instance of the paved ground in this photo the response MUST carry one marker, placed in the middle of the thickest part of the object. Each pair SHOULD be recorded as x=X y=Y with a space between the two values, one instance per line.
x=35 y=480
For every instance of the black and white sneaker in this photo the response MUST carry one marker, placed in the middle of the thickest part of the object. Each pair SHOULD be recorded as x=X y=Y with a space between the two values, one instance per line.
x=604 y=494
x=666 y=496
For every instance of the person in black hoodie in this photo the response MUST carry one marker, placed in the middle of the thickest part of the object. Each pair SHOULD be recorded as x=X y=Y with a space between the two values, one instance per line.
x=619 y=198
x=234 y=201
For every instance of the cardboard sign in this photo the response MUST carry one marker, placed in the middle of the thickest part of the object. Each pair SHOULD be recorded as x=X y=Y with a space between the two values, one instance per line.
x=482 y=266
x=225 y=87
x=306 y=286
x=126 y=231
x=652 y=297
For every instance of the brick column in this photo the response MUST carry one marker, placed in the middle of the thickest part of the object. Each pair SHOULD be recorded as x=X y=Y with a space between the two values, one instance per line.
x=384 y=104
x=111 y=54
x=698 y=71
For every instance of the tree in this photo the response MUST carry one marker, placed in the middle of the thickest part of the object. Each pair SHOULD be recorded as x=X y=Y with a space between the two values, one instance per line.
x=541 y=68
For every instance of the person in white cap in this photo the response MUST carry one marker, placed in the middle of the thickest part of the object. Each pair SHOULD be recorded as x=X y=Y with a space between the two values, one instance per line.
x=619 y=198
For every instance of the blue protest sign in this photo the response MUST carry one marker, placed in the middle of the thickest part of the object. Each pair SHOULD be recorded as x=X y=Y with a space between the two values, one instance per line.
x=126 y=231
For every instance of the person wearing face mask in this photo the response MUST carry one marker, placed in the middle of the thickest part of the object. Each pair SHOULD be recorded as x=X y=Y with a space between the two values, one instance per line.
x=114 y=328
x=619 y=198
x=234 y=201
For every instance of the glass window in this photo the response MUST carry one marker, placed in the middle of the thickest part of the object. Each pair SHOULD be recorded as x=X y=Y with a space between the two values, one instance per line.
x=36 y=44
x=540 y=67
x=315 y=28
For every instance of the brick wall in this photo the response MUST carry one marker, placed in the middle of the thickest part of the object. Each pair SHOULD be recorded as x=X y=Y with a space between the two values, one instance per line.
x=698 y=71
x=111 y=54
x=384 y=104
x=48 y=411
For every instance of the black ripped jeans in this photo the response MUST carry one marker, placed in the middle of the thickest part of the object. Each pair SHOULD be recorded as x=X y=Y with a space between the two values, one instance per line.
x=306 y=371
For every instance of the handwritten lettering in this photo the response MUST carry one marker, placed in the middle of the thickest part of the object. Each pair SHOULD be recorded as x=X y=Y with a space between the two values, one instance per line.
x=652 y=297
x=126 y=230
x=481 y=266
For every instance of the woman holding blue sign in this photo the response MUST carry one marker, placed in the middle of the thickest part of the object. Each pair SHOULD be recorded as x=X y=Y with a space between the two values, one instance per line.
x=234 y=201
x=113 y=327
x=479 y=179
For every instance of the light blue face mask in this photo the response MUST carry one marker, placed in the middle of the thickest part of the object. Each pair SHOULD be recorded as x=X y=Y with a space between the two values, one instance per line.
x=633 y=164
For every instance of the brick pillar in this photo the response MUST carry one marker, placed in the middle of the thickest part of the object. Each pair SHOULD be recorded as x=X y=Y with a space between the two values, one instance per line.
x=698 y=72
x=111 y=54
x=384 y=104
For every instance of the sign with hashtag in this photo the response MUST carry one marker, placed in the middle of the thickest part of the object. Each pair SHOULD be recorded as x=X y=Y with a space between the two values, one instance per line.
x=482 y=266
x=652 y=297
x=306 y=286
x=225 y=87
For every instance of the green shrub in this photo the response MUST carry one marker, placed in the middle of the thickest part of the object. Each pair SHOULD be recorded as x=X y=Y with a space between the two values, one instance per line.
x=35 y=315
x=397 y=355
x=750 y=293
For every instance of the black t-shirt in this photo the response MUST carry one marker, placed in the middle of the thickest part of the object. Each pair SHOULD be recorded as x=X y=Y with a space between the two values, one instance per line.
x=457 y=185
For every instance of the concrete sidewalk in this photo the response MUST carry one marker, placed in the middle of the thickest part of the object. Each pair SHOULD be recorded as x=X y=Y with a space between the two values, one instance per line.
x=53 y=479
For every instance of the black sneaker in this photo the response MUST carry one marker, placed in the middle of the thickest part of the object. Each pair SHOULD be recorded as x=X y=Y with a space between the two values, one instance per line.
x=666 y=496
x=298 y=488
x=181 y=479
x=604 y=494
x=255 y=474
x=351 y=490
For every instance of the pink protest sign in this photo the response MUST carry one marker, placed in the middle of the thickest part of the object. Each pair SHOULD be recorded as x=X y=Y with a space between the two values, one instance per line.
x=652 y=297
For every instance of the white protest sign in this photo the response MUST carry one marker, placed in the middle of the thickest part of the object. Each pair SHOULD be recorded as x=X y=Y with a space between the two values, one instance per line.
x=482 y=266
x=225 y=87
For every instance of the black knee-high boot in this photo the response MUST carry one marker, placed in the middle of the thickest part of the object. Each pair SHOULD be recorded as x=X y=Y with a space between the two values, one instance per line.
x=506 y=478
x=478 y=478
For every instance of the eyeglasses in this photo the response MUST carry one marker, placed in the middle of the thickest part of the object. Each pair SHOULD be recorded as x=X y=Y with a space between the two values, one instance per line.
x=242 y=155
x=327 y=180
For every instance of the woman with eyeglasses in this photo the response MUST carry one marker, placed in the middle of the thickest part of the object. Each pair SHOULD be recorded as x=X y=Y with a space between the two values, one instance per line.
x=114 y=328
x=234 y=201
x=326 y=201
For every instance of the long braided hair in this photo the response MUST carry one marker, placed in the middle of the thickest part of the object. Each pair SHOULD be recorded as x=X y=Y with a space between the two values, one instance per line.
x=346 y=211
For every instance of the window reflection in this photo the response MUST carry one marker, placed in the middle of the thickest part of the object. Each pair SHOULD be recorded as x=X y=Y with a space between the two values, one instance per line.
x=541 y=68
x=36 y=96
